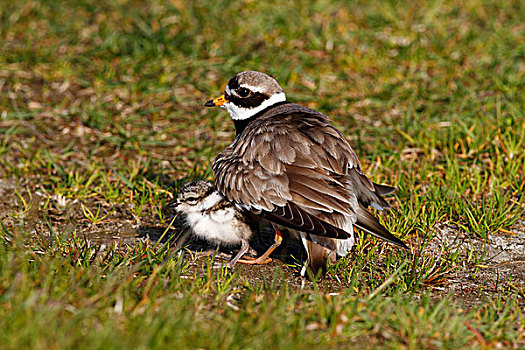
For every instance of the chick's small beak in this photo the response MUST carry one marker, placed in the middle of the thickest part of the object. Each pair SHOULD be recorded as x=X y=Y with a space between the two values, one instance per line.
x=174 y=204
x=219 y=101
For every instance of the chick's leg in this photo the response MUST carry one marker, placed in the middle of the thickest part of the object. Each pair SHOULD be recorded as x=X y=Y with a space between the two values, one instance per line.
x=264 y=259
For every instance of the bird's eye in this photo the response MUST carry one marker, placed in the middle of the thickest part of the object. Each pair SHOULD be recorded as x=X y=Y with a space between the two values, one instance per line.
x=244 y=92
x=191 y=201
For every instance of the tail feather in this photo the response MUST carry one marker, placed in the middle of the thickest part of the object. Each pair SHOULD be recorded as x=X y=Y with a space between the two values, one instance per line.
x=369 y=193
x=368 y=223
x=318 y=257
x=384 y=190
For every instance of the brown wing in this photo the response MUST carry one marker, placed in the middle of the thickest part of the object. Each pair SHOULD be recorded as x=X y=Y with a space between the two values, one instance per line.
x=290 y=167
x=292 y=216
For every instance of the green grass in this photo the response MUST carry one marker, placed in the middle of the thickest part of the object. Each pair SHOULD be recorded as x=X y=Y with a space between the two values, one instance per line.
x=101 y=119
x=72 y=294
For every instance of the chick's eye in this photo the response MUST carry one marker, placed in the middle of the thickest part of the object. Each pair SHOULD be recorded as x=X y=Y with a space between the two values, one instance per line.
x=244 y=92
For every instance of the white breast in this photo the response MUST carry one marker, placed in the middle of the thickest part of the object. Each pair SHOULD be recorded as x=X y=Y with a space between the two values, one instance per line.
x=218 y=226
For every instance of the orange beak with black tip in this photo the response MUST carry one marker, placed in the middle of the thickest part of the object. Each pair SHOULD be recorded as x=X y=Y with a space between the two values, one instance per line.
x=216 y=102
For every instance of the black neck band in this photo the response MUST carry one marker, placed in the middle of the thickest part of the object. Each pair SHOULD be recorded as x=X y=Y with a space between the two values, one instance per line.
x=240 y=125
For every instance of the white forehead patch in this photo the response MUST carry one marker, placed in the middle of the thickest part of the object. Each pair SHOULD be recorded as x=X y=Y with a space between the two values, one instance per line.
x=252 y=88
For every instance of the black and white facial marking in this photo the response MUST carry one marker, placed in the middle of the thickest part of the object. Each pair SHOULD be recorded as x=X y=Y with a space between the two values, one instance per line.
x=193 y=193
x=209 y=215
x=249 y=93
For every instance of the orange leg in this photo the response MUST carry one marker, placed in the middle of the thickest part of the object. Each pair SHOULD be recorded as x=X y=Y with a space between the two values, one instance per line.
x=264 y=259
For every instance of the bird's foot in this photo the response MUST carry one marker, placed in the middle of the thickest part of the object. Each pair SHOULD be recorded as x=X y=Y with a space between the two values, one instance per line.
x=255 y=261
x=212 y=252
x=221 y=265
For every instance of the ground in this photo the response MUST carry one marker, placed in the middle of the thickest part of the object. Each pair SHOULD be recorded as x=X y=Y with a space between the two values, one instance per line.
x=101 y=122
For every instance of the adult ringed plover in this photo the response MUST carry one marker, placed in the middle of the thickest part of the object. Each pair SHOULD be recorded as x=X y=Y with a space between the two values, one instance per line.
x=289 y=165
